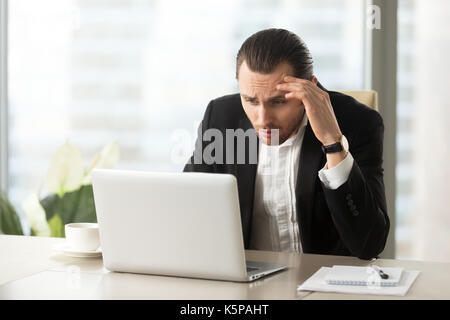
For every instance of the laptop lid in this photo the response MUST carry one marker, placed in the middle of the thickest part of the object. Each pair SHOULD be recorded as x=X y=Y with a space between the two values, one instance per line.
x=178 y=224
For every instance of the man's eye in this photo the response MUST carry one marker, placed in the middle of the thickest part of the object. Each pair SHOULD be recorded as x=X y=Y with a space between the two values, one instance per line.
x=279 y=102
x=252 y=101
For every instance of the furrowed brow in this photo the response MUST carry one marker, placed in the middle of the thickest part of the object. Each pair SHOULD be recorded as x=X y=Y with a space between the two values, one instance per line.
x=282 y=97
x=248 y=97
x=278 y=97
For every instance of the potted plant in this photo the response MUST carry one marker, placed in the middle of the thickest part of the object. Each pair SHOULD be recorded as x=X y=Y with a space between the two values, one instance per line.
x=70 y=199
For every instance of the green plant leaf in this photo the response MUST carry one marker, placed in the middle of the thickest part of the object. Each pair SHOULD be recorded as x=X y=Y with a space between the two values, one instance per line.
x=75 y=206
x=56 y=226
x=9 y=220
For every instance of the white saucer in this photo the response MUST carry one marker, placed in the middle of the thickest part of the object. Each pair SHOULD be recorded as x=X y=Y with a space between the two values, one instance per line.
x=64 y=248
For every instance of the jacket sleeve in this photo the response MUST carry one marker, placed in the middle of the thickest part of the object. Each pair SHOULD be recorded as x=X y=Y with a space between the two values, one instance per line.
x=358 y=207
x=196 y=162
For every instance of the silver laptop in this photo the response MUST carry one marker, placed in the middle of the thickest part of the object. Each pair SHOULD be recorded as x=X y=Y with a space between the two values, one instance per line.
x=174 y=224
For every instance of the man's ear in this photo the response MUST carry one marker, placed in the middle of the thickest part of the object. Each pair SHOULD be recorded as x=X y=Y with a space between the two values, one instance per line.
x=314 y=79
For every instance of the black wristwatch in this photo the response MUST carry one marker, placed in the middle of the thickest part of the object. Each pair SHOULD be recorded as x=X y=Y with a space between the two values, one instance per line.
x=342 y=144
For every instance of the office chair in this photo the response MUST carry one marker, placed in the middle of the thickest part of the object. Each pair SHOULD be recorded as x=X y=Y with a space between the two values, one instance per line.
x=367 y=97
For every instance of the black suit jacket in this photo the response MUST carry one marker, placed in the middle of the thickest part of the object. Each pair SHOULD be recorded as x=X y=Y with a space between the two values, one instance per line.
x=351 y=220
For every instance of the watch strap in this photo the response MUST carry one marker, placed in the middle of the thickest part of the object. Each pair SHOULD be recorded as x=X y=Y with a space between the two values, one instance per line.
x=332 y=148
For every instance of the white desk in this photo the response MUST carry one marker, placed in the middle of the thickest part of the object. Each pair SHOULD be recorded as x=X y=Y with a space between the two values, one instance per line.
x=30 y=269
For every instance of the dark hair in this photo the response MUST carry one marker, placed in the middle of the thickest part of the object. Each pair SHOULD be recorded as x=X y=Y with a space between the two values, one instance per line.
x=266 y=49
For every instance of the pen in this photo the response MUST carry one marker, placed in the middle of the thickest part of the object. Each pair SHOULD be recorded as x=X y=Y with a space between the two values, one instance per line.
x=379 y=271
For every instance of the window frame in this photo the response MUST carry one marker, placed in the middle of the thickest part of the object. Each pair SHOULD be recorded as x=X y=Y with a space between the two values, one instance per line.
x=381 y=76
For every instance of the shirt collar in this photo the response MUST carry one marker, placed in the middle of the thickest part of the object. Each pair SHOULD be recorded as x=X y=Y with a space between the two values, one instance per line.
x=299 y=132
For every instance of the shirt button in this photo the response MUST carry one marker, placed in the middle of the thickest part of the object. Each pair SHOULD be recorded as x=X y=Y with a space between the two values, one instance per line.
x=348 y=196
x=352 y=207
x=350 y=202
x=355 y=212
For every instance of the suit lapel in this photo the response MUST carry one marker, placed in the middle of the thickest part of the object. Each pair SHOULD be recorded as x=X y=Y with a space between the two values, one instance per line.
x=246 y=174
x=309 y=164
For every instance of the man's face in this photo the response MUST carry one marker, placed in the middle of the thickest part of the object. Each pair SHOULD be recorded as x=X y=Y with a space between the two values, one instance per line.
x=266 y=107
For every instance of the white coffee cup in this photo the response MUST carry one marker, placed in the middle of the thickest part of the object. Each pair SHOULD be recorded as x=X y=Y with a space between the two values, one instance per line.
x=82 y=236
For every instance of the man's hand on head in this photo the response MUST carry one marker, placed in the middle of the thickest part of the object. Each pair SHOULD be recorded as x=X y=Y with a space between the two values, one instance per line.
x=317 y=105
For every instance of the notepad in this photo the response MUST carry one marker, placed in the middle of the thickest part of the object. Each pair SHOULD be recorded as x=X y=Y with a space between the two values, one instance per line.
x=363 y=276
x=317 y=283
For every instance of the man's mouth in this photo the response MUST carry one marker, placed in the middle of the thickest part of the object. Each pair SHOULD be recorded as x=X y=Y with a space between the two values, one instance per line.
x=267 y=133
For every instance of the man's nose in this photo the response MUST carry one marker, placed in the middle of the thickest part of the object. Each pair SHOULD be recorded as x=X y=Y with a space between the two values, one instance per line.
x=265 y=116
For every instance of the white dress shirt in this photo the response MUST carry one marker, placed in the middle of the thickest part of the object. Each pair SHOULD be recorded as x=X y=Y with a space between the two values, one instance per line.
x=274 y=223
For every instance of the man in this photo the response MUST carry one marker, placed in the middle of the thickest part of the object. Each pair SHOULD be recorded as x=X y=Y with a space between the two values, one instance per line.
x=324 y=192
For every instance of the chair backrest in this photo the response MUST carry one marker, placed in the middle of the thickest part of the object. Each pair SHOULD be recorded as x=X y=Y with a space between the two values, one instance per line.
x=367 y=97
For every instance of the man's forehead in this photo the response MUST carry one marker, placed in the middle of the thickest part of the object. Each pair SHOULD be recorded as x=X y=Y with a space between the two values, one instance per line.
x=253 y=84
x=261 y=89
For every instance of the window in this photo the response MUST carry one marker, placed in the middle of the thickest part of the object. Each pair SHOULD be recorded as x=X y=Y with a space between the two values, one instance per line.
x=423 y=122
x=405 y=115
x=92 y=71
